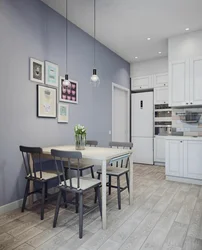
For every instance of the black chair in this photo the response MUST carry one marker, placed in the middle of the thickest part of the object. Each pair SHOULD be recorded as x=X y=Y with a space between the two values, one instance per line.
x=76 y=185
x=83 y=165
x=36 y=176
x=117 y=171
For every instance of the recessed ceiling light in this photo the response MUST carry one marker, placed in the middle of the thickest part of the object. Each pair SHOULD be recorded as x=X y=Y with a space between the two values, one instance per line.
x=136 y=57
x=187 y=29
x=148 y=38
x=160 y=52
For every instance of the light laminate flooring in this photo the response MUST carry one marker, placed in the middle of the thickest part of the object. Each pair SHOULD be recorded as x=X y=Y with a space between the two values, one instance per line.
x=165 y=216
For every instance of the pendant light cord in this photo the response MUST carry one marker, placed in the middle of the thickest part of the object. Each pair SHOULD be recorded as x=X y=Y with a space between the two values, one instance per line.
x=66 y=35
x=94 y=28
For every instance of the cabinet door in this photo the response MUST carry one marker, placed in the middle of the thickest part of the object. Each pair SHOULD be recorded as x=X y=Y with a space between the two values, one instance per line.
x=179 y=83
x=196 y=81
x=161 y=80
x=144 y=82
x=193 y=159
x=159 y=149
x=174 y=158
x=161 y=95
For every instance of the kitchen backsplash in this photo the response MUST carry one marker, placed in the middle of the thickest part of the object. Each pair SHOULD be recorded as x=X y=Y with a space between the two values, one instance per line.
x=188 y=129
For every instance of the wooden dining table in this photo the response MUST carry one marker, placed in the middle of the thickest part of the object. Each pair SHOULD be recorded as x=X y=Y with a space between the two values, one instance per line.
x=99 y=156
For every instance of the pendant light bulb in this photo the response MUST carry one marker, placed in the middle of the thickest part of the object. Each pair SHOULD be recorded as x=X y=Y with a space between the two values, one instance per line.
x=66 y=82
x=95 y=80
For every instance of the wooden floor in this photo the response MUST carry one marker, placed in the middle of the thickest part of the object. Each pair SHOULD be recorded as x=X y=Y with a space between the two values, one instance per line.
x=165 y=216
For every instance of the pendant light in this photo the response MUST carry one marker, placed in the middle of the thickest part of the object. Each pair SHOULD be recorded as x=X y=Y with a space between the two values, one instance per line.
x=66 y=82
x=94 y=80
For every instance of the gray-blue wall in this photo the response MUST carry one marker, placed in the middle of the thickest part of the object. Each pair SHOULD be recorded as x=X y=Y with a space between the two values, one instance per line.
x=28 y=28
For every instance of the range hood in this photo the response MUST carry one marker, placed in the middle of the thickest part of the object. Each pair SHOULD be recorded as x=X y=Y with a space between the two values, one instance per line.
x=189 y=117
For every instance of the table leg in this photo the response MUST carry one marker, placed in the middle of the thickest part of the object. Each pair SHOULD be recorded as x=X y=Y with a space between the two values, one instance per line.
x=31 y=187
x=104 y=197
x=131 y=180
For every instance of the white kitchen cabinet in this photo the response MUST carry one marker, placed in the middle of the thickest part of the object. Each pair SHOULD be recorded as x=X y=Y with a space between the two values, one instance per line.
x=160 y=80
x=174 y=158
x=196 y=81
x=159 y=149
x=143 y=82
x=193 y=159
x=179 y=83
x=161 y=95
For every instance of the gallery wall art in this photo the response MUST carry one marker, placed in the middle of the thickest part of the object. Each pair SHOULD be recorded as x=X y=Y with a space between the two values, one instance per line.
x=36 y=71
x=46 y=101
x=51 y=74
x=68 y=93
x=63 y=113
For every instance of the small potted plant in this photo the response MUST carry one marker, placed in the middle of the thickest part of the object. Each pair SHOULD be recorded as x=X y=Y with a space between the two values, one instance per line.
x=80 y=137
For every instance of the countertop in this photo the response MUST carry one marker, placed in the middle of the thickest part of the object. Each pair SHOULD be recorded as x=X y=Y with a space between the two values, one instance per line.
x=183 y=138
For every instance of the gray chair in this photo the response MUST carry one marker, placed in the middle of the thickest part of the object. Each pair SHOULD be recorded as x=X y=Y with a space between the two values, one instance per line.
x=36 y=176
x=76 y=185
x=83 y=165
x=117 y=171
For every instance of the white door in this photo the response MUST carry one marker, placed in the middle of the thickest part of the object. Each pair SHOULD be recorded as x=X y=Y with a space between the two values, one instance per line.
x=161 y=80
x=159 y=149
x=193 y=159
x=143 y=150
x=174 y=158
x=196 y=81
x=143 y=82
x=161 y=95
x=179 y=83
x=120 y=113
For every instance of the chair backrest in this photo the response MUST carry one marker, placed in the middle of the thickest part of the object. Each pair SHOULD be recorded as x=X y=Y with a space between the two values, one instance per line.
x=91 y=143
x=59 y=157
x=124 y=145
x=26 y=151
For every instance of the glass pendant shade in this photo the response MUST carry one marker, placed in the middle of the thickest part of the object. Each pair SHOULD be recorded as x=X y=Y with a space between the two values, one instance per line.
x=66 y=82
x=95 y=80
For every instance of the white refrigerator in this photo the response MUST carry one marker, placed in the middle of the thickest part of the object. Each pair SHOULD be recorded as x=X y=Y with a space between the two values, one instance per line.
x=143 y=127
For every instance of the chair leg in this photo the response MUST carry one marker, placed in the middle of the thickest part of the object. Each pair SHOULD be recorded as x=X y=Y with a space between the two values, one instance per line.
x=46 y=190
x=81 y=173
x=66 y=173
x=95 y=200
x=92 y=173
x=77 y=202
x=57 y=208
x=99 y=199
x=119 y=192
x=43 y=199
x=110 y=183
x=64 y=198
x=127 y=180
x=25 y=195
x=80 y=215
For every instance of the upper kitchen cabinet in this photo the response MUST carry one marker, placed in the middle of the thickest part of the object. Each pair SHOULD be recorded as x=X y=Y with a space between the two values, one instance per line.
x=161 y=95
x=161 y=80
x=196 y=81
x=143 y=82
x=179 y=83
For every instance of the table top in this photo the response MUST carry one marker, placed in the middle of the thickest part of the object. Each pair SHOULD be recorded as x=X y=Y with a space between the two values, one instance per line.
x=96 y=153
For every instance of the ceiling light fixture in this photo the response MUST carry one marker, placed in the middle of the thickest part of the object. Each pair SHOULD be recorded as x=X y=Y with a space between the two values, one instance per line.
x=187 y=29
x=95 y=80
x=66 y=82
x=148 y=38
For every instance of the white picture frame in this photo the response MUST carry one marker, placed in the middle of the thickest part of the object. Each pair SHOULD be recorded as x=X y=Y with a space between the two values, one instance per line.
x=51 y=74
x=63 y=112
x=68 y=94
x=36 y=70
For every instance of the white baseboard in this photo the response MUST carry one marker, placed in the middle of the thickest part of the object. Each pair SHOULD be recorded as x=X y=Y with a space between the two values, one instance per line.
x=184 y=180
x=10 y=206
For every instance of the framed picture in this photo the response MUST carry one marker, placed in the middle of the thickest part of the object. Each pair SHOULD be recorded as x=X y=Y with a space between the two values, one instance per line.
x=46 y=101
x=51 y=73
x=63 y=113
x=36 y=70
x=68 y=93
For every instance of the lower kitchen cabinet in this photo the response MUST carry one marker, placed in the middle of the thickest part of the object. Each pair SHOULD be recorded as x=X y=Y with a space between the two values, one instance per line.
x=159 y=149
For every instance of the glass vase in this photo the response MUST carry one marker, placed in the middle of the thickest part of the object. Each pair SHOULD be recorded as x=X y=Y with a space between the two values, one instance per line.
x=80 y=142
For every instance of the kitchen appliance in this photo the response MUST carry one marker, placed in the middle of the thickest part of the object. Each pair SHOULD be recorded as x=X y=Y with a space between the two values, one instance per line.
x=189 y=117
x=143 y=127
x=163 y=120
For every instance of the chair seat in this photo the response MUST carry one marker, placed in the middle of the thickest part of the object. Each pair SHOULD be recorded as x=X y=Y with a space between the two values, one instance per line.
x=46 y=175
x=85 y=182
x=74 y=165
x=114 y=171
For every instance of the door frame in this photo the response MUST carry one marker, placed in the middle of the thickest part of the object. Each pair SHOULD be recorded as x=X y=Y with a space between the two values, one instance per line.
x=114 y=85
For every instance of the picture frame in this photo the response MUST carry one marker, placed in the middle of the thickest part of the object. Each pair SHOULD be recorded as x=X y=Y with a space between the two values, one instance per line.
x=46 y=101
x=36 y=70
x=51 y=74
x=63 y=112
x=68 y=93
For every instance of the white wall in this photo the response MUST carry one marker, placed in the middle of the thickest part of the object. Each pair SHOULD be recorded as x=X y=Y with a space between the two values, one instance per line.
x=185 y=46
x=150 y=67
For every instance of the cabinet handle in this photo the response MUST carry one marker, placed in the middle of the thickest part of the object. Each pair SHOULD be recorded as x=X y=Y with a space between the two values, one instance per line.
x=140 y=87
x=187 y=103
x=181 y=141
x=191 y=103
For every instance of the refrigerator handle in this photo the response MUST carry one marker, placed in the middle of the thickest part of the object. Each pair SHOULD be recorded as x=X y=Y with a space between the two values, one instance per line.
x=141 y=104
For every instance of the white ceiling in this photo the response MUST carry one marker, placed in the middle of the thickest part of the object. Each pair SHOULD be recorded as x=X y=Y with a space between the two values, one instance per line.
x=124 y=25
